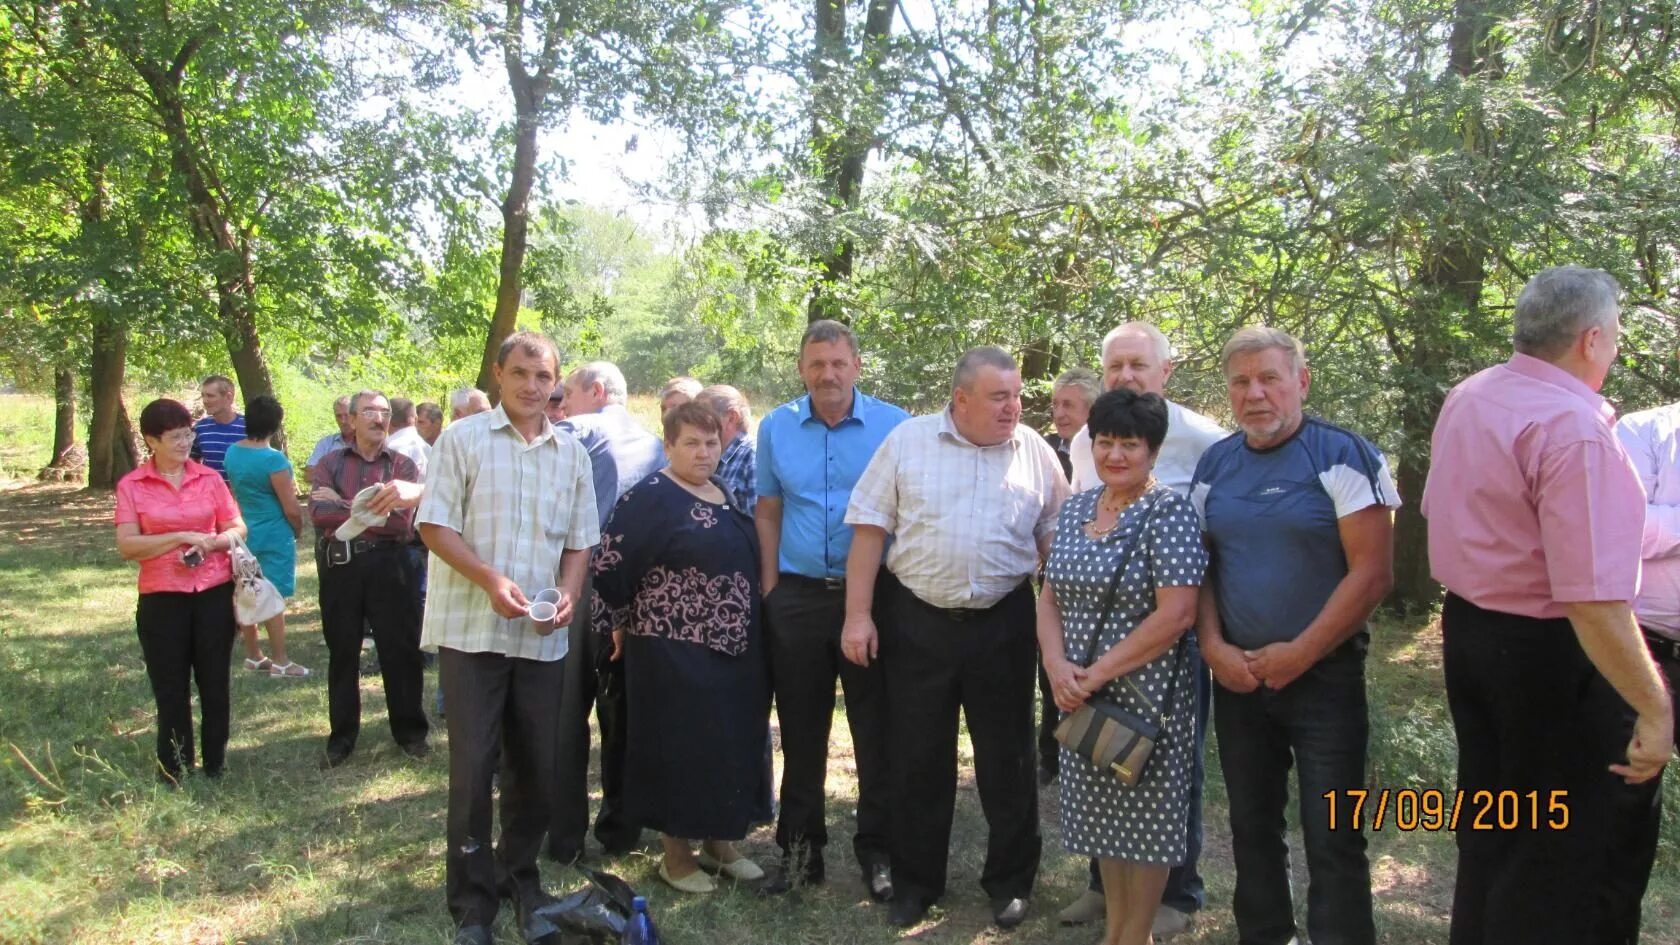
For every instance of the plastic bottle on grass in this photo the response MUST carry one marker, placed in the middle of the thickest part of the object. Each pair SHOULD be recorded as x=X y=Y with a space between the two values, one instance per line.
x=640 y=930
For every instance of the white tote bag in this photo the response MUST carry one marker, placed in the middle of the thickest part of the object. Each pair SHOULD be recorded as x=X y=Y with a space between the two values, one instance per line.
x=255 y=597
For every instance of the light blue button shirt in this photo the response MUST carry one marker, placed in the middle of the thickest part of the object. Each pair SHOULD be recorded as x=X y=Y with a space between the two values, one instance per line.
x=812 y=468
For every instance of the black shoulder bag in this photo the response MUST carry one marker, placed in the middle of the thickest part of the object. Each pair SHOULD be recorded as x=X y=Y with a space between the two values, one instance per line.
x=1102 y=732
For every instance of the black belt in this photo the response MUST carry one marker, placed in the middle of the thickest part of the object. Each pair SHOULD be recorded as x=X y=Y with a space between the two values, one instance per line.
x=958 y=614
x=1662 y=648
x=360 y=545
x=827 y=583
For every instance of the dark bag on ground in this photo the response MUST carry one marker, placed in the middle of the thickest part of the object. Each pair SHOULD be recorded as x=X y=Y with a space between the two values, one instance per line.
x=598 y=914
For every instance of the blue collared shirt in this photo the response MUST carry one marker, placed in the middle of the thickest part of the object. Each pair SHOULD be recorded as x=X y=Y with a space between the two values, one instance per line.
x=738 y=471
x=621 y=453
x=812 y=468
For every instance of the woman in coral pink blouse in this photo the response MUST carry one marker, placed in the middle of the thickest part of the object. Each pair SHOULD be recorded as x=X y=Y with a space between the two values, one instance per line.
x=175 y=517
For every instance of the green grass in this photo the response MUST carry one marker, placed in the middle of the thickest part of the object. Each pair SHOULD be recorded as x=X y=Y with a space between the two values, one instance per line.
x=280 y=851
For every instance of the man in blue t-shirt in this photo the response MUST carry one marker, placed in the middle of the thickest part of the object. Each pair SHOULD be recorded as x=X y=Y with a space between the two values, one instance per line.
x=1299 y=524
x=220 y=427
x=811 y=452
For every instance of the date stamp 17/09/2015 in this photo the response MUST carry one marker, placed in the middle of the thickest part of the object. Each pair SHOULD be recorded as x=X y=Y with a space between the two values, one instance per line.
x=1408 y=809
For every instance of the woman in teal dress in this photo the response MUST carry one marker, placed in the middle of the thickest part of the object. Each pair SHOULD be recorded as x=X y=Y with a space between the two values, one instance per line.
x=261 y=477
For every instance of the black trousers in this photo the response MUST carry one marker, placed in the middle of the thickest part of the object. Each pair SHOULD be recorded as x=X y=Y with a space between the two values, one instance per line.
x=186 y=638
x=803 y=620
x=1637 y=809
x=1319 y=724
x=503 y=712
x=1532 y=714
x=377 y=585
x=980 y=662
x=591 y=678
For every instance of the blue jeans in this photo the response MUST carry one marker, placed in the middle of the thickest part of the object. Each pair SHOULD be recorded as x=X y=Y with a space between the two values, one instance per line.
x=1319 y=724
x=1185 y=891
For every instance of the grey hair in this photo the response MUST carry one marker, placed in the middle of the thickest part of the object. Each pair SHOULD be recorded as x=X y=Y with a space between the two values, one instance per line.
x=1084 y=380
x=432 y=412
x=607 y=375
x=1163 y=347
x=827 y=330
x=1560 y=303
x=1263 y=338
x=343 y=400
x=969 y=365
x=721 y=398
x=685 y=385
x=356 y=401
x=466 y=398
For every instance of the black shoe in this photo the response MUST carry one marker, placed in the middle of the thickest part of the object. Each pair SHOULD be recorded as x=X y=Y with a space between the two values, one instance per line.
x=336 y=755
x=417 y=750
x=1008 y=913
x=795 y=871
x=907 y=910
x=878 y=878
x=473 y=935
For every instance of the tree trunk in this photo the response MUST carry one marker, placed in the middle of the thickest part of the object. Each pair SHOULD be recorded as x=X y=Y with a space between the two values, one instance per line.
x=840 y=135
x=516 y=221
x=1447 y=290
x=63 y=464
x=229 y=249
x=111 y=450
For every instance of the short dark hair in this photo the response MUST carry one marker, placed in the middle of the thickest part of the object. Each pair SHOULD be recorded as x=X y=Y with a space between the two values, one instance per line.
x=825 y=330
x=262 y=417
x=533 y=343
x=691 y=414
x=162 y=415
x=432 y=412
x=402 y=411
x=221 y=380
x=969 y=365
x=1125 y=413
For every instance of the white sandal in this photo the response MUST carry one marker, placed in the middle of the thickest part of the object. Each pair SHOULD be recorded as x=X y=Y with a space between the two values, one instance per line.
x=289 y=670
x=264 y=665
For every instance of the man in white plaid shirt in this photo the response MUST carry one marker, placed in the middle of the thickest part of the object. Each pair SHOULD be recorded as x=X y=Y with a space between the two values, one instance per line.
x=510 y=509
x=970 y=498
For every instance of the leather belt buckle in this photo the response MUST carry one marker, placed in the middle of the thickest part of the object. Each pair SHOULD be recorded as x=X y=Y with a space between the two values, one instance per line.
x=834 y=583
x=1661 y=647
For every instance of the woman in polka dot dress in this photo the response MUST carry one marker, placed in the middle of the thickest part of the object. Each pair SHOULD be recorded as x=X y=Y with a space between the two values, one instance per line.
x=1137 y=833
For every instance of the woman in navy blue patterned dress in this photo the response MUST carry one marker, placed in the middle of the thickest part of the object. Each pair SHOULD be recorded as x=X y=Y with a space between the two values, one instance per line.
x=1140 y=541
x=677 y=571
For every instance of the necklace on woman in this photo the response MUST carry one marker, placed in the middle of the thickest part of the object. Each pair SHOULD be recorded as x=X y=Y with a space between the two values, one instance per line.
x=1111 y=502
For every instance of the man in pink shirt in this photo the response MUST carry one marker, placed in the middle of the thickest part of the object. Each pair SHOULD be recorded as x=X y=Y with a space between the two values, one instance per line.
x=1535 y=518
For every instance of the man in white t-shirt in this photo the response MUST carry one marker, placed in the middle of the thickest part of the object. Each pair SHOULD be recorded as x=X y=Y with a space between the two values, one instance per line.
x=1137 y=355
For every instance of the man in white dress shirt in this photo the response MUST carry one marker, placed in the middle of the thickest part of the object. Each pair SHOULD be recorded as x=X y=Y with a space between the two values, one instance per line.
x=1652 y=440
x=1138 y=356
x=970 y=498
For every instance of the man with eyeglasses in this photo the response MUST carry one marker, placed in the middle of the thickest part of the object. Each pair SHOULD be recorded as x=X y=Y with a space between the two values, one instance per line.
x=367 y=574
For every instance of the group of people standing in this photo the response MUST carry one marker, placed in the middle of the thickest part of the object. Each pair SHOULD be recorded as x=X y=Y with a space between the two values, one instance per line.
x=1141 y=558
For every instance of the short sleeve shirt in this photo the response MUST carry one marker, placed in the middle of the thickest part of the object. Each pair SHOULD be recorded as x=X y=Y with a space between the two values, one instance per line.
x=1271 y=518
x=212 y=439
x=202 y=504
x=811 y=467
x=966 y=519
x=518 y=505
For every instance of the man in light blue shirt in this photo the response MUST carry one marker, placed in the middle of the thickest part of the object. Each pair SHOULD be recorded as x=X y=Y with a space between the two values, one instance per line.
x=811 y=452
x=621 y=454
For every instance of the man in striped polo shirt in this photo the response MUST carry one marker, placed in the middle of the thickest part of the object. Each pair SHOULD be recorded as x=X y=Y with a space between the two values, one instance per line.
x=220 y=427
